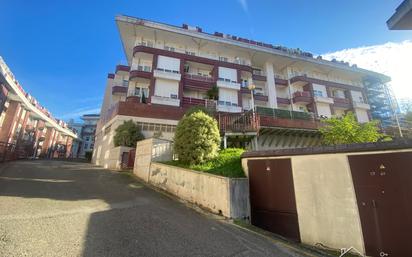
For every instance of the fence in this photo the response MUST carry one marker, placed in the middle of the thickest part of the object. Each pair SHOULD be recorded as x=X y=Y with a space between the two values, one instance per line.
x=11 y=152
x=285 y=114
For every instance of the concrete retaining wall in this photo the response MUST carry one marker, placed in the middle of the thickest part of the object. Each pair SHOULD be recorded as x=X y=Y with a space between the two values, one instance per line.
x=226 y=196
x=113 y=158
x=221 y=195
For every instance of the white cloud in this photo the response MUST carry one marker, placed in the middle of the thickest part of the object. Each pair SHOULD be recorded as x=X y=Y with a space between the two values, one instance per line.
x=244 y=5
x=392 y=59
x=75 y=114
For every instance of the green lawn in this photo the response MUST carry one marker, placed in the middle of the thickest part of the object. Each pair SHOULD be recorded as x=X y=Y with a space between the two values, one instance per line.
x=227 y=164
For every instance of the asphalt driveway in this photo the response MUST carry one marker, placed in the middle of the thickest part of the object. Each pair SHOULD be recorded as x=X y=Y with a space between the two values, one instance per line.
x=55 y=208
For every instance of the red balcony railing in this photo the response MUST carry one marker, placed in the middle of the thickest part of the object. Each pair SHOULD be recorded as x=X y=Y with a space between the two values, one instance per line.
x=282 y=100
x=239 y=122
x=119 y=90
x=192 y=101
x=302 y=97
x=199 y=78
x=341 y=102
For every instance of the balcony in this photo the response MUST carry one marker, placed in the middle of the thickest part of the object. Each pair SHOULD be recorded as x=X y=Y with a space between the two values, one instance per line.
x=189 y=101
x=119 y=90
x=167 y=74
x=228 y=107
x=259 y=75
x=195 y=57
x=243 y=122
x=165 y=100
x=270 y=117
x=258 y=96
x=361 y=105
x=322 y=99
x=302 y=97
x=140 y=71
x=283 y=101
x=227 y=83
x=196 y=77
x=124 y=68
x=341 y=103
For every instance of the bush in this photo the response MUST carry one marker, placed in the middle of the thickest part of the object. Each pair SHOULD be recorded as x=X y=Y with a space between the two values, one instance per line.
x=227 y=164
x=127 y=134
x=346 y=130
x=197 y=109
x=197 y=138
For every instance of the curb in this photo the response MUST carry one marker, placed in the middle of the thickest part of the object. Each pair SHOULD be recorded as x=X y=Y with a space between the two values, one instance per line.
x=298 y=248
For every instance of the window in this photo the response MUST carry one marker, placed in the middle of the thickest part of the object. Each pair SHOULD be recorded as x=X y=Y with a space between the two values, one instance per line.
x=145 y=92
x=186 y=68
x=125 y=83
x=223 y=59
x=87 y=138
x=190 y=53
x=317 y=93
x=86 y=146
x=169 y=48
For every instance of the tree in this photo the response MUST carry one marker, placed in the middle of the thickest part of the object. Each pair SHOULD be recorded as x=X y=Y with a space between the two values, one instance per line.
x=197 y=138
x=127 y=134
x=347 y=130
x=213 y=93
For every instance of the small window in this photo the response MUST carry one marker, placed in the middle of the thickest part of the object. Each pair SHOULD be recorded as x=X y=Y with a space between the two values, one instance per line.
x=223 y=59
x=173 y=96
x=317 y=93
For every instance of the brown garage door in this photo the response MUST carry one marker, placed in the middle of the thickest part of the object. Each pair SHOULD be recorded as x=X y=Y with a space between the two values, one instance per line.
x=272 y=197
x=383 y=186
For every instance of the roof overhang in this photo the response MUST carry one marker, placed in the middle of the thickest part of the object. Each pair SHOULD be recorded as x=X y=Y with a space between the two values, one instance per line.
x=129 y=27
x=402 y=18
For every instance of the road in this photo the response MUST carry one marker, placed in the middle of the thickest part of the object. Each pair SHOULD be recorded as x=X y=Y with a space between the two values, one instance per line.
x=56 y=208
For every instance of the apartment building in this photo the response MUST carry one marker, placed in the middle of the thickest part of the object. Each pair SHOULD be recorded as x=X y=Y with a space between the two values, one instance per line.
x=27 y=129
x=85 y=132
x=268 y=96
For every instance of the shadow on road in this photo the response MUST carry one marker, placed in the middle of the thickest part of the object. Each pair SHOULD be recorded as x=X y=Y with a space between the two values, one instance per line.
x=135 y=220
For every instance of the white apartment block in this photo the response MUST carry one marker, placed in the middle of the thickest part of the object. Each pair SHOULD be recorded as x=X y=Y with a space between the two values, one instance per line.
x=171 y=69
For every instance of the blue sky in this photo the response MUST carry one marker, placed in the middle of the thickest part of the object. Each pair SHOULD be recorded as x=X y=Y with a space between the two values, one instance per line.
x=61 y=51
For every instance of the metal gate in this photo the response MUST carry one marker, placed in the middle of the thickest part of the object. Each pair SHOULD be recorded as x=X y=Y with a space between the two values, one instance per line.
x=128 y=159
x=383 y=186
x=272 y=197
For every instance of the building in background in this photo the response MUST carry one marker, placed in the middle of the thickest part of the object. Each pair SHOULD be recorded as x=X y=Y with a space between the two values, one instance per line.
x=85 y=132
x=384 y=106
x=268 y=96
x=26 y=127
x=76 y=127
x=402 y=18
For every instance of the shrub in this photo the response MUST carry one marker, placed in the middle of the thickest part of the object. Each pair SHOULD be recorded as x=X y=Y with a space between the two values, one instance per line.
x=197 y=138
x=197 y=109
x=127 y=134
x=347 y=130
x=227 y=164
